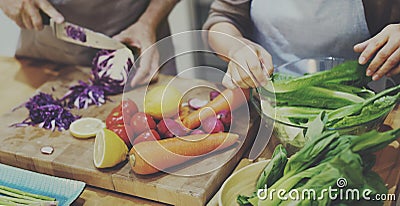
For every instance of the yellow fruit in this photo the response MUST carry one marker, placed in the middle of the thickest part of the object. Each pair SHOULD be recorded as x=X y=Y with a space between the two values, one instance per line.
x=86 y=127
x=109 y=149
x=162 y=102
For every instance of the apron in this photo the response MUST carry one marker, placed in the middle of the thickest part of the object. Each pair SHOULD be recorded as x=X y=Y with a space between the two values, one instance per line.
x=104 y=16
x=294 y=29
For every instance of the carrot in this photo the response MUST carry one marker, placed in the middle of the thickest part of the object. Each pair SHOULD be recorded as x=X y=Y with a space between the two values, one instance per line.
x=228 y=100
x=152 y=156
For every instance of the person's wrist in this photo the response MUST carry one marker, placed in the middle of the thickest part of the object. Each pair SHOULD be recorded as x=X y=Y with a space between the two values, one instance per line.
x=238 y=44
x=147 y=23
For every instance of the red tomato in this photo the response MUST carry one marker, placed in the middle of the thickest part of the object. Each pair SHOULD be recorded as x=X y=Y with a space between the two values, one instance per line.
x=151 y=135
x=114 y=118
x=121 y=131
x=129 y=107
x=141 y=122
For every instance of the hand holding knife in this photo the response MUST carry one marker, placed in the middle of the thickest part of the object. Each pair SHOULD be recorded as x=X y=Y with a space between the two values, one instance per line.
x=76 y=34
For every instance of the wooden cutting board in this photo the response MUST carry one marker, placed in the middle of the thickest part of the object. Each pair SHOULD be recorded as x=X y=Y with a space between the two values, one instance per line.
x=73 y=158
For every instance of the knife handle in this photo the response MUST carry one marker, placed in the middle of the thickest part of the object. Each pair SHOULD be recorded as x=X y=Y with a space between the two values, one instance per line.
x=45 y=18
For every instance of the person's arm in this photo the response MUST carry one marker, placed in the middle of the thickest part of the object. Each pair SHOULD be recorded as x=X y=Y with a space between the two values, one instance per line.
x=26 y=14
x=386 y=48
x=142 y=35
x=228 y=24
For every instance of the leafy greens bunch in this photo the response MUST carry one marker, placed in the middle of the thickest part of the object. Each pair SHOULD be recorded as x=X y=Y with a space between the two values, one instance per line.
x=325 y=158
x=339 y=91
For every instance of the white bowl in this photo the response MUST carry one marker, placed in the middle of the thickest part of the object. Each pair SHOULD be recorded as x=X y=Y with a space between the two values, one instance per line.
x=242 y=182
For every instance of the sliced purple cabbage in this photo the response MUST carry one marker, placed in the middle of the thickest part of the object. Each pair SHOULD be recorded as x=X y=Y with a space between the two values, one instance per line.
x=110 y=70
x=76 y=33
x=48 y=113
x=83 y=95
x=110 y=73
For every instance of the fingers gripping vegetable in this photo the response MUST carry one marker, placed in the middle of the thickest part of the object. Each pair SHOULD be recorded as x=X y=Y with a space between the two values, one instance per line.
x=152 y=156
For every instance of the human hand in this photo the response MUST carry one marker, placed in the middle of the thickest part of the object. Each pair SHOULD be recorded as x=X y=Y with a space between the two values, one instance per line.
x=386 y=46
x=250 y=66
x=142 y=36
x=26 y=13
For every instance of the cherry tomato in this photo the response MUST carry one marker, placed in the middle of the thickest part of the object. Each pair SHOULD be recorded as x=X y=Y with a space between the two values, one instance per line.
x=114 y=118
x=122 y=133
x=129 y=107
x=151 y=135
x=141 y=122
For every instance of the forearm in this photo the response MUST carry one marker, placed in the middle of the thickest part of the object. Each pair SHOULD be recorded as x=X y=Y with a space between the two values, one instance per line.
x=156 y=12
x=225 y=42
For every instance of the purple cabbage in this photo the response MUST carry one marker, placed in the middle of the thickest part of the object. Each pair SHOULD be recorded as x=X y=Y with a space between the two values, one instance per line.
x=48 y=113
x=83 y=95
x=76 y=33
x=110 y=69
x=111 y=72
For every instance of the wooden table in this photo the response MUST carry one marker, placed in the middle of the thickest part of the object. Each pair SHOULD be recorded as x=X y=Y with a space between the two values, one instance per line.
x=19 y=79
x=23 y=77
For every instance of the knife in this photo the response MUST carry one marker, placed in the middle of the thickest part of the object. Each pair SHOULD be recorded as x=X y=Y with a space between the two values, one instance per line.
x=76 y=34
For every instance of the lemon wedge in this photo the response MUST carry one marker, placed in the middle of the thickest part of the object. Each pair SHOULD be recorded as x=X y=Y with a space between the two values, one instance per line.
x=86 y=127
x=109 y=149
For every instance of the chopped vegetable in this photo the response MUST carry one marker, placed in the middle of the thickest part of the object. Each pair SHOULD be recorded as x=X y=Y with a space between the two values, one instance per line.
x=212 y=125
x=83 y=95
x=76 y=33
x=213 y=95
x=110 y=71
x=48 y=113
x=110 y=68
x=228 y=100
x=195 y=103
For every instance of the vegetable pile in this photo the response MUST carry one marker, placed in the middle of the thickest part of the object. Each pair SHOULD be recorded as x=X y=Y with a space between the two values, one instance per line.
x=133 y=126
x=48 y=113
x=340 y=92
x=152 y=140
x=109 y=75
x=11 y=196
x=324 y=159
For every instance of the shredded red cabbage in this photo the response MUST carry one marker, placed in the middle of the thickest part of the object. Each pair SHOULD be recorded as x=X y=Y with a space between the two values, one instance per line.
x=110 y=69
x=110 y=72
x=83 y=95
x=76 y=33
x=48 y=113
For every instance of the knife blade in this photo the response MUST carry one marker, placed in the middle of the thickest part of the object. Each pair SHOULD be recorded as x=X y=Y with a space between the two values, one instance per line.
x=76 y=34
x=86 y=38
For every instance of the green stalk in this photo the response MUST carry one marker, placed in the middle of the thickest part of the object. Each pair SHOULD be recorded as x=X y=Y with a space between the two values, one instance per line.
x=17 y=200
x=26 y=195
x=6 y=203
